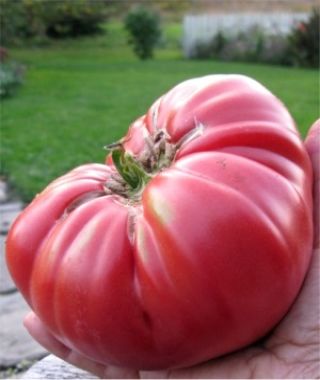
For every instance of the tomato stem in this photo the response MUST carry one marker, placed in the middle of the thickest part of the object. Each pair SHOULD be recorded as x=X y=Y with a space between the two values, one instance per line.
x=133 y=173
x=130 y=170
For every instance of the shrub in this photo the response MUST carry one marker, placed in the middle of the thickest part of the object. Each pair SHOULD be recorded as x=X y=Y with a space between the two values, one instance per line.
x=11 y=76
x=73 y=18
x=251 y=45
x=304 y=41
x=275 y=50
x=143 y=26
x=211 y=49
x=13 y=21
x=21 y=20
x=25 y=19
x=3 y=54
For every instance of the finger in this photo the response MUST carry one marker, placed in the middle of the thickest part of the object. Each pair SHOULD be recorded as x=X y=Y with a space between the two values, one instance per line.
x=313 y=147
x=41 y=334
x=37 y=330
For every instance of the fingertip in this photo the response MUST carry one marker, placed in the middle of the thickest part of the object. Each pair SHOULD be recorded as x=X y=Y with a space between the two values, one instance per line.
x=313 y=138
x=312 y=144
x=28 y=319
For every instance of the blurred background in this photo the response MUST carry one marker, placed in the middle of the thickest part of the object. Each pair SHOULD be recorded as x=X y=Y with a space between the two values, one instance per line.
x=75 y=73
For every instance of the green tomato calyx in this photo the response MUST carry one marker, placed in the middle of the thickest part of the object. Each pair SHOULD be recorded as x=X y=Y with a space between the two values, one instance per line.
x=133 y=173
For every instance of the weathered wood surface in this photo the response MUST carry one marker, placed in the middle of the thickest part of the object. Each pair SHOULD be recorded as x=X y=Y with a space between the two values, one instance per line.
x=8 y=212
x=52 y=367
x=16 y=345
x=6 y=284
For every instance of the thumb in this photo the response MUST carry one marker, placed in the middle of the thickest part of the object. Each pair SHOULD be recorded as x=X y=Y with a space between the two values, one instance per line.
x=312 y=144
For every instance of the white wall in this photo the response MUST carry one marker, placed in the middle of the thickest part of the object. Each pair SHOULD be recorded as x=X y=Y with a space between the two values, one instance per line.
x=201 y=28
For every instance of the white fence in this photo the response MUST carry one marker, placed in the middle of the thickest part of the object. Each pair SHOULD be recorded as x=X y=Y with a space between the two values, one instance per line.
x=202 y=28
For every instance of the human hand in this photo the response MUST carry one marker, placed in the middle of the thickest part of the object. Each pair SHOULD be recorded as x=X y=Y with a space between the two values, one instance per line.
x=291 y=350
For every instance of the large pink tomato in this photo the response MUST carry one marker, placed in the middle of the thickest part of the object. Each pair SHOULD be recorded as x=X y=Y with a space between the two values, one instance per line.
x=191 y=241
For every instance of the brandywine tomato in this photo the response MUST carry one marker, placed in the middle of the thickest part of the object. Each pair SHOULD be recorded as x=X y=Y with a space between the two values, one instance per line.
x=191 y=241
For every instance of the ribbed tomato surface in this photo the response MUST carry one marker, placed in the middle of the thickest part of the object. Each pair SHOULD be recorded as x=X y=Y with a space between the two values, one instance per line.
x=206 y=258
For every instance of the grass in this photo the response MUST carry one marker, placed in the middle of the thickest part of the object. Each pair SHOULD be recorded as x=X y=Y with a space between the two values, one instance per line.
x=80 y=95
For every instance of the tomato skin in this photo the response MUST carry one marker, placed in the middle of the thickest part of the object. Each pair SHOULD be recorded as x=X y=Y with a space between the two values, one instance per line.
x=208 y=261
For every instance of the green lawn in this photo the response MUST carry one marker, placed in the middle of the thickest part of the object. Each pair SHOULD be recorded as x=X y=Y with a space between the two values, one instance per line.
x=81 y=95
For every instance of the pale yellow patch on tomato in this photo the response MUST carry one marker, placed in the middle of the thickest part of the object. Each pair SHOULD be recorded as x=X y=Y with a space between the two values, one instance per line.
x=141 y=246
x=160 y=206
